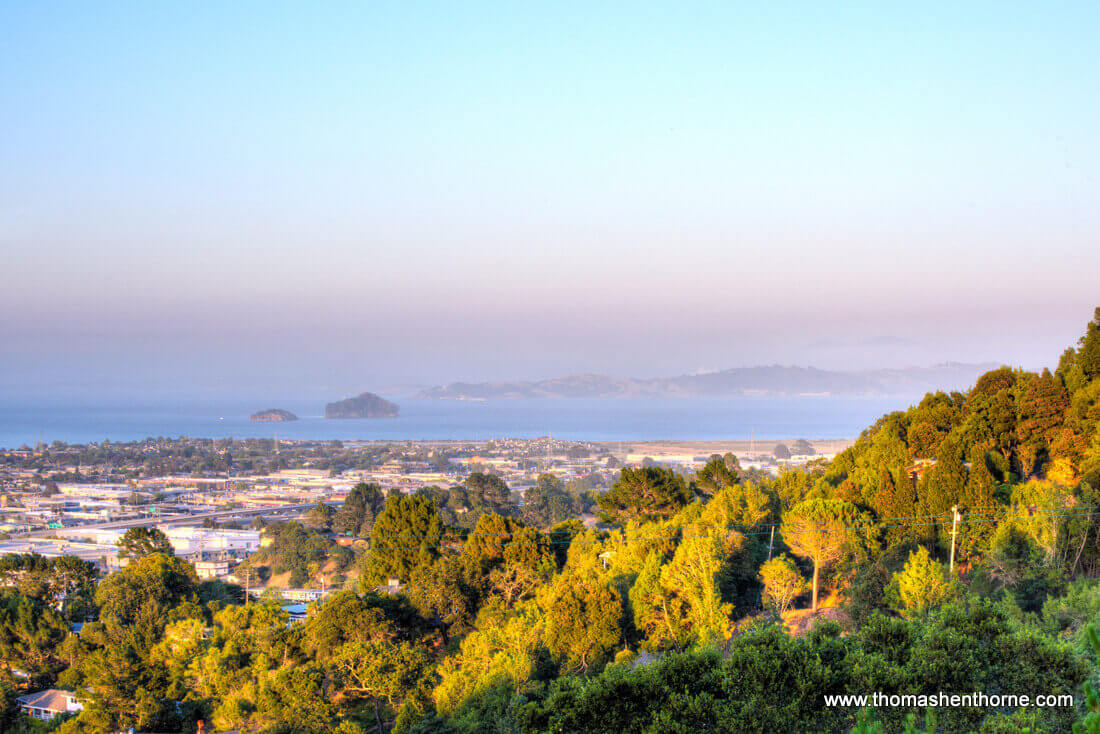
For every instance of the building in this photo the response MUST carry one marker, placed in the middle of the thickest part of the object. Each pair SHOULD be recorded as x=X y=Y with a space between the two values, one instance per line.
x=45 y=705
x=187 y=540
x=304 y=595
x=297 y=612
x=211 y=569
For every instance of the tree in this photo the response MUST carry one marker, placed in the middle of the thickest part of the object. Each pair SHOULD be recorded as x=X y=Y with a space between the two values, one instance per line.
x=645 y=494
x=979 y=503
x=379 y=671
x=819 y=530
x=583 y=620
x=486 y=493
x=486 y=544
x=897 y=501
x=944 y=486
x=802 y=447
x=694 y=576
x=782 y=583
x=137 y=602
x=141 y=542
x=1040 y=411
x=319 y=517
x=363 y=503
x=346 y=618
x=120 y=692
x=922 y=585
x=739 y=506
x=407 y=534
x=1088 y=355
x=718 y=473
x=445 y=591
x=547 y=503
x=781 y=451
x=1036 y=509
x=30 y=632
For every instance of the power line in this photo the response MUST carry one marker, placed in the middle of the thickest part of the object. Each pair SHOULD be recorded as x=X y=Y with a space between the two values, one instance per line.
x=708 y=531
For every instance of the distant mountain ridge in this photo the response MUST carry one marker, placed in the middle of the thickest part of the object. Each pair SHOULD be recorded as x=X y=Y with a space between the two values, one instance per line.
x=771 y=380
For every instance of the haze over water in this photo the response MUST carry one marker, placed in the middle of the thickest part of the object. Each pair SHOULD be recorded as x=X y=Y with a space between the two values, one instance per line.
x=698 y=419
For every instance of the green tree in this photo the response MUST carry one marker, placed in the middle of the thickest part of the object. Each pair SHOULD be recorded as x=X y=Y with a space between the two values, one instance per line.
x=407 y=534
x=820 y=530
x=137 y=602
x=1037 y=507
x=922 y=585
x=30 y=633
x=782 y=583
x=897 y=501
x=320 y=517
x=362 y=505
x=547 y=503
x=122 y=691
x=1040 y=411
x=583 y=620
x=492 y=535
x=645 y=494
x=141 y=542
x=1088 y=354
x=718 y=473
x=379 y=672
x=980 y=507
x=802 y=447
x=445 y=592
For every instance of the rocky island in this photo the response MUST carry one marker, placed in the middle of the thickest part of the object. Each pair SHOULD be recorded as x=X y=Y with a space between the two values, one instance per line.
x=367 y=405
x=273 y=415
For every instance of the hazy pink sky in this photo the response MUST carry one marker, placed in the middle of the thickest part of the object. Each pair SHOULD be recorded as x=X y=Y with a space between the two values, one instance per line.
x=323 y=202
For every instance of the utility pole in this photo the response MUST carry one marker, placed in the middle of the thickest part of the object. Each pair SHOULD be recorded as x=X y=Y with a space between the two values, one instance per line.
x=954 y=530
x=770 y=541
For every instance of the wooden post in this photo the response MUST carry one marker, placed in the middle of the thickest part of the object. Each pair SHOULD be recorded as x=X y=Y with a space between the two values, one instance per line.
x=954 y=530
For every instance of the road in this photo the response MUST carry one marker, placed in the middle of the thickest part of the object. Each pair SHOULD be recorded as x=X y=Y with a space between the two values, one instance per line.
x=169 y=520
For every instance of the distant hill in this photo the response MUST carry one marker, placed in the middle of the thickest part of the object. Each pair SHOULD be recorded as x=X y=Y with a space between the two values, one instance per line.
x=366 y=405
x=273 y=415
x=773 y=380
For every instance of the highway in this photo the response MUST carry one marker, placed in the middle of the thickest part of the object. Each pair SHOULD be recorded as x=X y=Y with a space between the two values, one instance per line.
x=168 y=520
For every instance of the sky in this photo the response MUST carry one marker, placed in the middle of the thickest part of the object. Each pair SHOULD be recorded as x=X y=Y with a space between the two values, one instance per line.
x=319 y=198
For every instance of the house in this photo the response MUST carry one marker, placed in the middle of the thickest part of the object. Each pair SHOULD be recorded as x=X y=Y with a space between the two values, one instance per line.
x=917 y=469
x=211 y=569
x=305 y=595
x=49 y=703
x=297 y=612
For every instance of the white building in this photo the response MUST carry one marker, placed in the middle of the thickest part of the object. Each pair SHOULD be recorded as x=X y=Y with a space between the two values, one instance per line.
x=304 y=595
x=49 y=703
x=187 y=540
x=211 y=569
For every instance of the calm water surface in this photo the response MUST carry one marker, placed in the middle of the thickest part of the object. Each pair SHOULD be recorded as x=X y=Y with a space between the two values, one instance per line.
x=28 y=421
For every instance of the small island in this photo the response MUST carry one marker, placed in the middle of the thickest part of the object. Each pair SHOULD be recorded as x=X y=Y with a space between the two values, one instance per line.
x=273 y=415
x=367 y=405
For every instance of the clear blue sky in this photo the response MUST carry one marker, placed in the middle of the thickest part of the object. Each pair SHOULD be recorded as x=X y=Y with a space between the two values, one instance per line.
x=346 y=195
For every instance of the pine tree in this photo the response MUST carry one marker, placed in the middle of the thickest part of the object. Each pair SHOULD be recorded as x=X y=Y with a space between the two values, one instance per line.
x=896 y=501
x=945 y=484
x=407 y=534
x=980 y=507
x=1088 y=356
